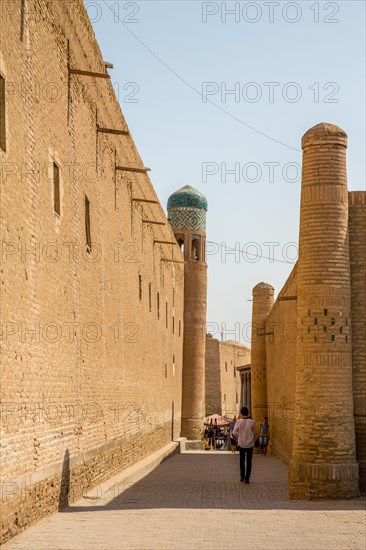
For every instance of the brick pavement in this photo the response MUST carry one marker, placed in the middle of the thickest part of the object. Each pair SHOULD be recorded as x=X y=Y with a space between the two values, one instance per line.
x=194 y=500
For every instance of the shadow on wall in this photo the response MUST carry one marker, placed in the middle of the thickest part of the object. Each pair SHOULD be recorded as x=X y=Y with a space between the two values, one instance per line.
x=65 y=482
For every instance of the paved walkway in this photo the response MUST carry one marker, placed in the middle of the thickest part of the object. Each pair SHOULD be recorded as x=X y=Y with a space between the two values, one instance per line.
x=195 y=501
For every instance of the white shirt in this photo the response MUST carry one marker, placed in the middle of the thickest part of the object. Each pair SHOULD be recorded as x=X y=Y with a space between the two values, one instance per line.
x=244 y=429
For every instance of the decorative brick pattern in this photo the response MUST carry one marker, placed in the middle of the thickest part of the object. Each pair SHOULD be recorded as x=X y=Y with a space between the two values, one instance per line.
x=322 y=440
x=315 y=352
x=187 y=209
x=187 y=219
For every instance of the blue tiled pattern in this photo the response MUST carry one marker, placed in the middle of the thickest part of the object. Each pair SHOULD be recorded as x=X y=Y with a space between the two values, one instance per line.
x=187 y=218
x=187 y=197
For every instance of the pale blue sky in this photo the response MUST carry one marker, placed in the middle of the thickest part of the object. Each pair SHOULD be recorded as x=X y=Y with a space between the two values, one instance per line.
x=176 y=132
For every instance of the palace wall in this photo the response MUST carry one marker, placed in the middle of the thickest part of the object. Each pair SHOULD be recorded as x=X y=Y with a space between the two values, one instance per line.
x=281 y=349
x=212 y=376
x=281 y=362
x=223 y=385
x=357 y=235
x=91 y=337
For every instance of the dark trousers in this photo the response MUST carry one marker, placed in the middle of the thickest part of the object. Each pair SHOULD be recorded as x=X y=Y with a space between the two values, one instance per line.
x=248 y=453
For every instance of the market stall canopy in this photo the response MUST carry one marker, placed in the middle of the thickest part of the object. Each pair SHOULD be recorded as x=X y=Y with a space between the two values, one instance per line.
x=217 y=420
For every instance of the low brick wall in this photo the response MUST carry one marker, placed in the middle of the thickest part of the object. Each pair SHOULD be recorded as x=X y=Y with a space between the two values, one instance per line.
x=29 y=501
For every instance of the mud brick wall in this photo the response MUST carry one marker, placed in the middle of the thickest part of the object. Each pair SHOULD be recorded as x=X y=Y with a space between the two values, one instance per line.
x=91 y=367
x=281 y=348
x=281 y=365
x=304 y=396
x=357 y=235
x=223 y=384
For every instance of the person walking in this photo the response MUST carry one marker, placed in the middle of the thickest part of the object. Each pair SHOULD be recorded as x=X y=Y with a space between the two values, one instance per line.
x=245 y=431
x=263 y=436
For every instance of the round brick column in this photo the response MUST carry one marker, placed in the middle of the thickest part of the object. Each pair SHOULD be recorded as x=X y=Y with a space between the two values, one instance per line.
x=187 y=210
x=262 y=305
x=323 y=461
x=194 y=349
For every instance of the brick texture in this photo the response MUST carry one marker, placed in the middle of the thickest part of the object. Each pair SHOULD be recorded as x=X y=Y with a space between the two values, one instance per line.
x=324 y=438
x=91 y=371
x=181 y=500
x=357 y=235
x=281 y=369
x=223 y=385
x=315 y=363
x=262 y=304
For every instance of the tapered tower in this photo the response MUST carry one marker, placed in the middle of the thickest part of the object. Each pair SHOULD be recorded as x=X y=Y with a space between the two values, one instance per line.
x=262 y=305
x=187 y=209
x=323 y=461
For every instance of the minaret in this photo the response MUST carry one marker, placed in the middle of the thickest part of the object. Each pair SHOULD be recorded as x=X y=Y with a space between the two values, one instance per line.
x=323 y=461
x=262 y=305
x=187 y=209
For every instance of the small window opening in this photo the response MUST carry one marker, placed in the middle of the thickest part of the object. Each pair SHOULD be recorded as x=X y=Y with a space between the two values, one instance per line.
x=140 y=286
x=195 y=247
x=158 y=304
x=149 y=296
x=2 y=115
x=166 y=314
x=181 y=244
x=87 y=224
x=56 y=189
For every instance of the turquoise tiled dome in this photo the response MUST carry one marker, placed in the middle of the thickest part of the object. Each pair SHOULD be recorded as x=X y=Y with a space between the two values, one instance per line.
x=187 y=209
x=187 y=197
